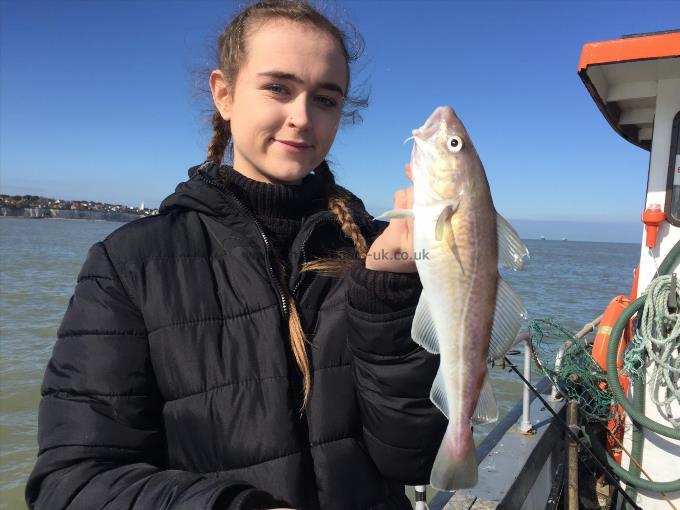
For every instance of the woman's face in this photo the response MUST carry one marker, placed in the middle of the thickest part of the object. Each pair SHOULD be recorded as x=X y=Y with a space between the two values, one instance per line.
x=285 y=106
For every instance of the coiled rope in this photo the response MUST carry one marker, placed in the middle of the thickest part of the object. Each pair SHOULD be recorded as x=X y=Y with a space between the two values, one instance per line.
x=658 y=337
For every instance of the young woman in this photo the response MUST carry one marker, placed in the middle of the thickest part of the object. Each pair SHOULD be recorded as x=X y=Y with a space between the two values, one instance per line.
x=198 y=366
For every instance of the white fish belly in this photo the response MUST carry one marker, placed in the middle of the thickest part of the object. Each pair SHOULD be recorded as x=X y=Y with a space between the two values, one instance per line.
x=449 y=291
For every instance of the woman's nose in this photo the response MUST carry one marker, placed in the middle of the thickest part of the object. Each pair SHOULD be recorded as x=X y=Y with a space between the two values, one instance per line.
x=299 y=112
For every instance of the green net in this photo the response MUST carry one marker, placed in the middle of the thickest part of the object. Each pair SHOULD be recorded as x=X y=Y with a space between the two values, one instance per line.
x=576 y=374
x=634 y=357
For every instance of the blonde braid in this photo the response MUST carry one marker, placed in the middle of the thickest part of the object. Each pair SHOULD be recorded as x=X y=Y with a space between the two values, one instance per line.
x=296 y=336
x=298 y=344
x=336 y=266
x=339 y=265
x=347 y=224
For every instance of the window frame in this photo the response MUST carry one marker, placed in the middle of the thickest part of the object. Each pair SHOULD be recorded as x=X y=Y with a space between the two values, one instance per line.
x=675 y=134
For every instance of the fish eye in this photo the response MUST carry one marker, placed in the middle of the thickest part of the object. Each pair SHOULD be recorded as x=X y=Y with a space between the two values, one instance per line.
x=454 y=143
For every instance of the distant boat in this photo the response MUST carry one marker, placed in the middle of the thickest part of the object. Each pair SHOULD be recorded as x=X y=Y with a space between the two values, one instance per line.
x=542 y=238
x=564 y=239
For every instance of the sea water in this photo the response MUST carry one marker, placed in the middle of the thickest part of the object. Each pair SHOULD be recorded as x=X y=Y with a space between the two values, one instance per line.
x=40 y=259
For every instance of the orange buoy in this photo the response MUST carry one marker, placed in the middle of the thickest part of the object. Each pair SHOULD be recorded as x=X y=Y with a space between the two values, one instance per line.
x=653 y=217
x=614 y=309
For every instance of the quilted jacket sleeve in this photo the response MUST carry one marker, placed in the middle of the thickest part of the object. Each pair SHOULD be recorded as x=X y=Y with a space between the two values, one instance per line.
x=402 y=429
x=100 y=433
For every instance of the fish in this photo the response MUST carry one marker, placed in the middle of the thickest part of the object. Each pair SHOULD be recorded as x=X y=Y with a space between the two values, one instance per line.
x=466 y=313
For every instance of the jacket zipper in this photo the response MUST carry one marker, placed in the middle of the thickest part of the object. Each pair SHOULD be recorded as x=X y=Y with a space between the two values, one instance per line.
x=303 y=251
x=285 y=310
x=267 y=243
x=282 y=295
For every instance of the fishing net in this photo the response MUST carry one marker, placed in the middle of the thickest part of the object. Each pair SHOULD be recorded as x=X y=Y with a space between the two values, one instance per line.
x=567 y=362
x=653 y=353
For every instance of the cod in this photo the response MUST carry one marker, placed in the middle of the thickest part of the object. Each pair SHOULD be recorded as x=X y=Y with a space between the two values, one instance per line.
x=466 y=312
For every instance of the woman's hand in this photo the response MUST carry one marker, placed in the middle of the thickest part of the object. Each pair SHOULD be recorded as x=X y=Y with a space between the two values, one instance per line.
x=393 y=249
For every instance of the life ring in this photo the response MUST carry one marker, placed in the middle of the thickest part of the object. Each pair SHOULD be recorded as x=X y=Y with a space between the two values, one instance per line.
x=616 y=425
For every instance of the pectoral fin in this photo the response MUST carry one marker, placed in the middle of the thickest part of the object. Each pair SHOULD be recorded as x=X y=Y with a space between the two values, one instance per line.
x=512 y=252
x=397 y=213
x=444 y=230
x=443 y=220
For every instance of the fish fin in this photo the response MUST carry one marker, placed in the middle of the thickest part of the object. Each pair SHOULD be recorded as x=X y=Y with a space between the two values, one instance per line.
x=507 y=319
x=443 y=220
x=512 y=251
x=451 y=241
x=487 y=407
x=397 y=213
x=455 y=466
x=423 y=330
x=438 y=393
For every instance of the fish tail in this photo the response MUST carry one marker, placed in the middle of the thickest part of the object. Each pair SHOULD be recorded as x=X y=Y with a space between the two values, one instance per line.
x=455 y=466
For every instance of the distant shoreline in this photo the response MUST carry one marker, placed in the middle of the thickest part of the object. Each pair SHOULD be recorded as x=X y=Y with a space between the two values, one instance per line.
x=556 y=240
x=62 y=219
x=39 y=213
x=31 y=206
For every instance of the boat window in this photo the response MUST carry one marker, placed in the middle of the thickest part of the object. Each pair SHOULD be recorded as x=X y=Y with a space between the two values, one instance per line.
x=674 y=167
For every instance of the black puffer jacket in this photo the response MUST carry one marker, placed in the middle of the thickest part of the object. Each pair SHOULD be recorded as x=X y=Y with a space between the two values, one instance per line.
x=171 y=384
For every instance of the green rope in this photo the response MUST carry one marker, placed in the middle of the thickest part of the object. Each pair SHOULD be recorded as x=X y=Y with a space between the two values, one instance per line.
x=657 y=340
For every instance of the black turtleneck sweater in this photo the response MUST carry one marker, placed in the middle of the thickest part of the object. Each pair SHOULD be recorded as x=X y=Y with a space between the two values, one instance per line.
x=281 y=209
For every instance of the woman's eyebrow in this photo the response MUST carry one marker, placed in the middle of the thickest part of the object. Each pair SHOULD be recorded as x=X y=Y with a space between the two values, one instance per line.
x=281 y=75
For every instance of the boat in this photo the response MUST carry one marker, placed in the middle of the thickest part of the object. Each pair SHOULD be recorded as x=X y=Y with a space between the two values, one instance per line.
x=544 y=450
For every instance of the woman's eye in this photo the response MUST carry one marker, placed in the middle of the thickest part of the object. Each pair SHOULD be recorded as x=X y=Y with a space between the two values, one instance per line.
x=327 y=101
x=275 y=88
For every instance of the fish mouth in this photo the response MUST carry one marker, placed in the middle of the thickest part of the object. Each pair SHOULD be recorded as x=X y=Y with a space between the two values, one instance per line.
x=442 y=117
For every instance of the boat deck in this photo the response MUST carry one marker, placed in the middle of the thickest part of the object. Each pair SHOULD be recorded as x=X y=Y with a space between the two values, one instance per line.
x=516 y=470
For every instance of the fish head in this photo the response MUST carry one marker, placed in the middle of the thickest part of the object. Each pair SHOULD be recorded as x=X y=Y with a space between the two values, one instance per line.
x=443 y=159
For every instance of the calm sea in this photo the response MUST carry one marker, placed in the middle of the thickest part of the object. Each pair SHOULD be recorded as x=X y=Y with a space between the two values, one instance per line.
x=39 y=260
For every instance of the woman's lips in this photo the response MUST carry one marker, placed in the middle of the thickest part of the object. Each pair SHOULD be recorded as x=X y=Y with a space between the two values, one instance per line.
x=291 y=146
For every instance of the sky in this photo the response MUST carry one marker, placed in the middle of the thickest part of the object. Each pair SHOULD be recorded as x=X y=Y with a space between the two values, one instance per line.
x=108 y=101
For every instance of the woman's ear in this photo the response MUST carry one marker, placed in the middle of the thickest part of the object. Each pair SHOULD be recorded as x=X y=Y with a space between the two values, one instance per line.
x=221 y=94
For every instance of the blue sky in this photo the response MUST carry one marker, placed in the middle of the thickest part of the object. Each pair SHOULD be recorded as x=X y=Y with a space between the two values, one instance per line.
x=106 y=100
